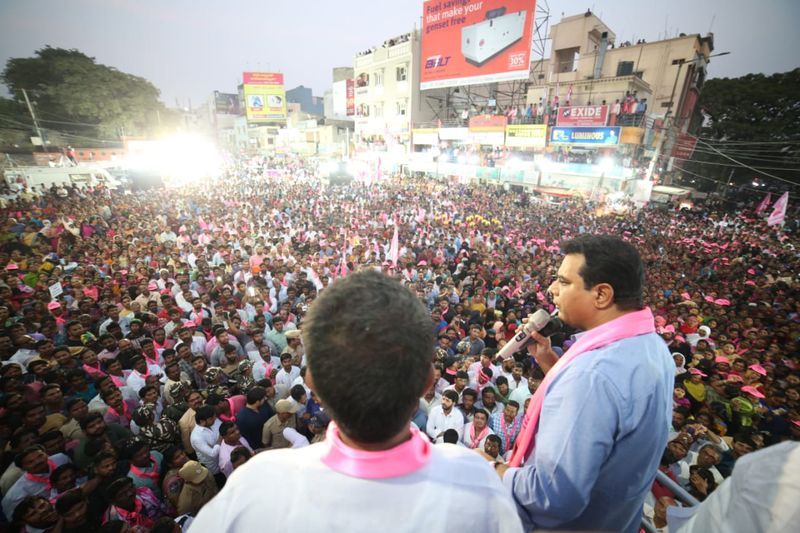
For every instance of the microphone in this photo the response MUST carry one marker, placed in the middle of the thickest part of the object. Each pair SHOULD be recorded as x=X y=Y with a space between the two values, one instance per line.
x=541 y=322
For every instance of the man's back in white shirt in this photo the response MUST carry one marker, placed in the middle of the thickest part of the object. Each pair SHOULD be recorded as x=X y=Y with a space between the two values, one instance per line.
x=455 y=491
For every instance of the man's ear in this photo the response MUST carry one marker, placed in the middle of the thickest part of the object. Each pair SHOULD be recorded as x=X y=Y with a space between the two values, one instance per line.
x=604 y=296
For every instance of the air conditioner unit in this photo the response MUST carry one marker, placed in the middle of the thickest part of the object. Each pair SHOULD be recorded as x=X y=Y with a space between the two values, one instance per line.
x=482 y=41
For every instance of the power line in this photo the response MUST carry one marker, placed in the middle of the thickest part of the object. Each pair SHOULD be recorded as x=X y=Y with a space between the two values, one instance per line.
x=717 y=141
x=748 y=166
x=726 y=185
x=730 y=165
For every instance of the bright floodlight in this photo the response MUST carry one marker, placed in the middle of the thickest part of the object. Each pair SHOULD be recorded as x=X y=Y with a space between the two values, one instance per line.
x=184 y=159
x=606 y=164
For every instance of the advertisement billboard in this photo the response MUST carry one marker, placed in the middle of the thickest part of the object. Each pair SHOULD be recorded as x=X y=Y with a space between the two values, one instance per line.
x=226 y=103
x=583 y=115
x=488 y=123
x=469 y=42
x=351 y=98
x=264 y=96
x=526 y=135
x=425 y=136
x=597 y=136
x=683 y=148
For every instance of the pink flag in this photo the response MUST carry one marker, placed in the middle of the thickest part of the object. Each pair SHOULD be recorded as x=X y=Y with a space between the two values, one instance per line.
x=764 y=203
x=394 y=249
x=201 y=222
x=779 y=210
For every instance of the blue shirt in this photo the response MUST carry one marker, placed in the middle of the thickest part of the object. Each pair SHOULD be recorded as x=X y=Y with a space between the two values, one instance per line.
x=602 y=431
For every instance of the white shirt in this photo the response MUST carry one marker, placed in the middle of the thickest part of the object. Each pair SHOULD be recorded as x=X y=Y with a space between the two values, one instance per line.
x=205 y=442
x=426 y=406
x=685 y=472
x=409 y=503
x=468 y=441
x=760 y=495
x=287 y=378
x=136 y=381
x=439 y=422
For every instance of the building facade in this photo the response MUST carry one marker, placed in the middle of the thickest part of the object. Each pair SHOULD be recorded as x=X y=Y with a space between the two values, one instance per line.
x=387 y=94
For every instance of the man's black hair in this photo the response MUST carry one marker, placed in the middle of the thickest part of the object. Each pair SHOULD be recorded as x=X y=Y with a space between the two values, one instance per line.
x=360 y=335
x=204 y=412
x=614 y=261
x=255 y=394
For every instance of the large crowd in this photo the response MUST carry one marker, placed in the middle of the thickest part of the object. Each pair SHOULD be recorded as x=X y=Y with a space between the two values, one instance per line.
x=151 y=340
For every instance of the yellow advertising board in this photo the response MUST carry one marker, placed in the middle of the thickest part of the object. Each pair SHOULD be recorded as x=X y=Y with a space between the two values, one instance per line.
x=526 y=135
x=264 y=96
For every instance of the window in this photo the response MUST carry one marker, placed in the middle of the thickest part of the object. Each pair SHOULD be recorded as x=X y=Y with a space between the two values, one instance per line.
x=624 y=68
x=377 y=110
x=402 y=73
x=378 y=78
x=401 y=107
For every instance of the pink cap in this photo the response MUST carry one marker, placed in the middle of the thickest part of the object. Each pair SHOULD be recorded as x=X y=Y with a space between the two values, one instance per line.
x=697 y=372
x=422 y=263
x=721 y=359
x=669 y=329
x=53 y=305
x=752 y=391
x=758 y=369
x=734 y=377
x=12 y=266
x=152 y=286
x=722 y=301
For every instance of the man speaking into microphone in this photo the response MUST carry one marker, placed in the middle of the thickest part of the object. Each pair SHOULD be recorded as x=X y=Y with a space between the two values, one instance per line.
x=597 y=426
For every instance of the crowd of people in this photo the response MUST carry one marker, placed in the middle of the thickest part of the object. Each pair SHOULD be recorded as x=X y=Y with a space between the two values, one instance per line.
x=151 y=341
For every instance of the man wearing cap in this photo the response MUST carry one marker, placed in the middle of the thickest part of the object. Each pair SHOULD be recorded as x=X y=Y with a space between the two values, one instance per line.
x=272 y=432
x=371 y=453
x=294 y=346
x=198 y=488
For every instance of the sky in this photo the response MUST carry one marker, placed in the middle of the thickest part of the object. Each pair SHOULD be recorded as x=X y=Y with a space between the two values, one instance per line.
x=190 y=48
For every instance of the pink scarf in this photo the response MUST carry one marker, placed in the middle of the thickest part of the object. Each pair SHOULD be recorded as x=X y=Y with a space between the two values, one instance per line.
x=628 y=325
x=475 y=440
x=401 y=460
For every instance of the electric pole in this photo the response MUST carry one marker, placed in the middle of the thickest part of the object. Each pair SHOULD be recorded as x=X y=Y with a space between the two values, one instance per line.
x=35 y=121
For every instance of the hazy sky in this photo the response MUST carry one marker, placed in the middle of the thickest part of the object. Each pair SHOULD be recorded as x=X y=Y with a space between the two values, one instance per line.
x=189 y=48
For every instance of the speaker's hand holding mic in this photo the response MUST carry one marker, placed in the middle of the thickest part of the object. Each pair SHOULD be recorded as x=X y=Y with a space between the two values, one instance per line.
x=541 y=350
x=533 y=334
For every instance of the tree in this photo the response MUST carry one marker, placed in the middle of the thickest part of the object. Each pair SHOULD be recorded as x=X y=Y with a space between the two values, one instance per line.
x=73 y=93
x=751 y=118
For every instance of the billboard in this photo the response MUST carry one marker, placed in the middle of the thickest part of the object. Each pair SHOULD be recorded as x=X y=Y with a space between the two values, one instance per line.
x=526 y=135
x=683 y=148
x=264 y=96
x=597 y=136
x=351 y=97
x=469 y=42
x=583 y=115
x=227 y=103
x=425 y=136
x=488 y=123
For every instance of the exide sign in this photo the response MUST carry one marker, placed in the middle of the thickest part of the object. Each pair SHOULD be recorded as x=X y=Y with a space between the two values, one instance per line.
x=586 y=115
